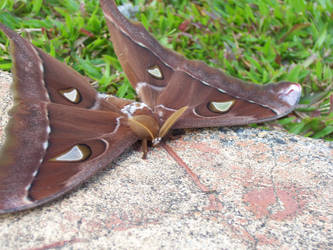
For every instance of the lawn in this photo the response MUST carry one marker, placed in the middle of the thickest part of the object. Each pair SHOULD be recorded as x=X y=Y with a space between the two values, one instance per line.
x=260 y=41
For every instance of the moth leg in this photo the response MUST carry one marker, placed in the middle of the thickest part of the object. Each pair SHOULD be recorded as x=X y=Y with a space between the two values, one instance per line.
x=144 y=148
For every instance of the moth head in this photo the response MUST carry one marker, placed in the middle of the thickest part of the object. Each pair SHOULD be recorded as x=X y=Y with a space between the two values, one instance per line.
x=146 y=127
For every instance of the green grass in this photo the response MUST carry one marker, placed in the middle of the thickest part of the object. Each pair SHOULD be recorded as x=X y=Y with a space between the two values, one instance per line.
x=260 y=41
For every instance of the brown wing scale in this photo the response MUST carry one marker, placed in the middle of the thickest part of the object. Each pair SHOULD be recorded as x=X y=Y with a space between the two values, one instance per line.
x=61 y=132
x=166 y=81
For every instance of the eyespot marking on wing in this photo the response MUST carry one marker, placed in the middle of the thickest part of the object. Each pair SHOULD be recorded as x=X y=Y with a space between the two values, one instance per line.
x=71 y=94
x=155 y=72
x=220 y=107
x=79 y=152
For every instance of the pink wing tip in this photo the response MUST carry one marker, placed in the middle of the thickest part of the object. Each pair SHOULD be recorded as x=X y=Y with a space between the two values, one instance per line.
x=291 y=93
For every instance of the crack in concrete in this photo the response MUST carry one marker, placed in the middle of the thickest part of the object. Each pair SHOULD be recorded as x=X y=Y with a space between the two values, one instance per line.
x=278 y=203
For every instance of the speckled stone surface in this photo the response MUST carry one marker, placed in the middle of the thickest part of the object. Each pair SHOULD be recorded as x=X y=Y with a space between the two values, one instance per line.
x=6 y=101
x=243 y=188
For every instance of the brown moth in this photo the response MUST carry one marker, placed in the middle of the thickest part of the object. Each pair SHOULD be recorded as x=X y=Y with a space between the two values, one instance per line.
x=62 y=131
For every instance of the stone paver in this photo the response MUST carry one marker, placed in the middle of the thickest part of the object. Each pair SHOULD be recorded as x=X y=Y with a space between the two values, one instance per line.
x=224 y=188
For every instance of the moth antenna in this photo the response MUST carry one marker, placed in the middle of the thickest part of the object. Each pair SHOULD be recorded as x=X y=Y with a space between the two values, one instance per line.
x=171 y=121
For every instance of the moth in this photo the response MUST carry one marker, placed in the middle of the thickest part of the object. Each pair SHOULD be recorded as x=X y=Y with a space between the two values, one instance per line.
x=62 y=130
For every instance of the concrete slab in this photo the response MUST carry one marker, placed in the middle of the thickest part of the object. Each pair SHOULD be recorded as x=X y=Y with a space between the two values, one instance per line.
x=210 y=189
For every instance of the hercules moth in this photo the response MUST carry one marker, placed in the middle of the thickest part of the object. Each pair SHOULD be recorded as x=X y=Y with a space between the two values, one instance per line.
x=62 y=130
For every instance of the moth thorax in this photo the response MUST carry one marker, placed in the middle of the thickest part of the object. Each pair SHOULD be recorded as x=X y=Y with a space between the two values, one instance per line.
x=144 y=126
